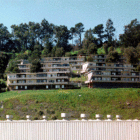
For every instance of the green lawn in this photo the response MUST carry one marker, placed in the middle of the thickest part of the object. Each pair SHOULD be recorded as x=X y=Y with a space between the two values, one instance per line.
x=124 y=101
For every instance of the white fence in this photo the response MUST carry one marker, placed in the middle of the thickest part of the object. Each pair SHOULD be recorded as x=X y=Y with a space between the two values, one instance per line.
x=70 y=130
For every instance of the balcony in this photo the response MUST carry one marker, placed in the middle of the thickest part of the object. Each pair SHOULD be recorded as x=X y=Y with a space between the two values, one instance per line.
x=34 y=77
x=35 y=83
x=118 y=81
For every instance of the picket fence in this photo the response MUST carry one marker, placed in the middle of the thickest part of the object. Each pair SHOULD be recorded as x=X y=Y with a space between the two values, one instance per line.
x=70 y=129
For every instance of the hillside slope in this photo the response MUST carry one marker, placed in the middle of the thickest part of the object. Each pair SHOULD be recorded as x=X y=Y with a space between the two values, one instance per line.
x=124 y=101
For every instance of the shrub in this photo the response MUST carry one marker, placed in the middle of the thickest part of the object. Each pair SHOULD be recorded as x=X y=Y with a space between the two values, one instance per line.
x=89 y=59
x=131 y=55
x=113 y=56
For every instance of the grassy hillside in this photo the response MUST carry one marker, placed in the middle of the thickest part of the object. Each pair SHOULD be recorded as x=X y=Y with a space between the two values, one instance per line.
x=124 y=101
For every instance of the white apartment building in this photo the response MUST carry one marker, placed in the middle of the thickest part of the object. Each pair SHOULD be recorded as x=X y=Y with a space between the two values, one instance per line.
x=102 y=74
x=55 y=74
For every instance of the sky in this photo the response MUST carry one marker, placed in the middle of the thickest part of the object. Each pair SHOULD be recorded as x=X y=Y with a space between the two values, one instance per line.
x=70 y=12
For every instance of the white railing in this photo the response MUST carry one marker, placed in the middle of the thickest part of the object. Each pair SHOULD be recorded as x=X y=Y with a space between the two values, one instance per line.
x=70 y=129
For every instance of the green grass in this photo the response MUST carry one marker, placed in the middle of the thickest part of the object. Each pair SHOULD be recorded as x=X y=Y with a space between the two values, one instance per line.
x=99 y=51
x=102 y=51
x=53 y=102
x=82 y=78
x=74 y=53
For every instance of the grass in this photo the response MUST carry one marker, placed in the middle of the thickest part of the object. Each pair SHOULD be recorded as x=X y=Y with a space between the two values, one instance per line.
x=102 y=51
x=74 y=52
x=99 y=51
x=124 y=101
x=82 y=78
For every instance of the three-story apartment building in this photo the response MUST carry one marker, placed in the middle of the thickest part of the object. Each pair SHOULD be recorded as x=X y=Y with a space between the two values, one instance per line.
x=103 y=74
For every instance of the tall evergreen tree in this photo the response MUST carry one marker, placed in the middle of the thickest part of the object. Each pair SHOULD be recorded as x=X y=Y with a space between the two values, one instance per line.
x=99 y=30
x=79 y=29
x=109 y=32
x=131 y=36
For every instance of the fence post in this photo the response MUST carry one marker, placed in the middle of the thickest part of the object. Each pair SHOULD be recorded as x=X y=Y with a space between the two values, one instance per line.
x=9 y=117
x=109 y=117
x=98 y=117
x=65 y=116
x=118 y=117
x=44 y=118
x=28 y=117
x=84 y=117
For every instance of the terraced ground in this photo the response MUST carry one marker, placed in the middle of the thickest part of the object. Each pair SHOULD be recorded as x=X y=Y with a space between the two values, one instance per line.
x=124 y=101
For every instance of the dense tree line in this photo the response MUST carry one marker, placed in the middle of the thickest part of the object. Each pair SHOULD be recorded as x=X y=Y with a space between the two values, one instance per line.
x=35 y=40
x=55 y=40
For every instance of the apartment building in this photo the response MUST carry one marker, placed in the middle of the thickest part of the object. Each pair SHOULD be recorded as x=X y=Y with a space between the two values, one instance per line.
x=55 y=74
x=102 y=74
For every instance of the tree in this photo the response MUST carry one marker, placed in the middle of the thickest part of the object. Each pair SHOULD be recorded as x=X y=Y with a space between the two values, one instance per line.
x=2 y=84
x=68 y=54
x=4 y=58
x=4 y=36
x=111 y=48
x=46 y=35
x=99 y=31
x=113 y=56
x=88 y=39
x=21 y=33
x=35 y=66
x=62 y=35
x=131 y=36
x=46 y=53
x=131 y=55
x=22 y=56
x=81 y=52
x=34 y=34
x=59 y=52
x=92 y=49
x=79 y=29
x=109 y=31
x=138 y=49
x=105 y=46
x=89 y=59
x=72 y=31
x=12 y=67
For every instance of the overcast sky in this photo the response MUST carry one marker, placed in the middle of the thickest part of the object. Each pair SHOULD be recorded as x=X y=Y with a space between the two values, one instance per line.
x=70 y=12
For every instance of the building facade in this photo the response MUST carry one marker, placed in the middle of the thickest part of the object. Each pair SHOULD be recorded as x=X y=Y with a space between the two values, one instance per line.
x=102 y=74
x=55 y=74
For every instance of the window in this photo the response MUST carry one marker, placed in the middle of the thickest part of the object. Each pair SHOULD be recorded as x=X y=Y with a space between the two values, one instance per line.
x=41 y=75
x=62 y=86
x=25 y=87
x=51 y=81
x=57 y=86
x=16 y=87
x=41 y=81
x=47 y=86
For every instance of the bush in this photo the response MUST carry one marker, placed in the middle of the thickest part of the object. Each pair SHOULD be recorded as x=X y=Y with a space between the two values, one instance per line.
x=81 y=52
x=131 y=55
x=59 y=52
x=36 y=66
x=138 y=68
x=106 y=48
x=12 y=67
x=89 y=59
x=111 y=49
x=92 y=49
x=113 y=56
x=67 y=54
x=2 y=84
